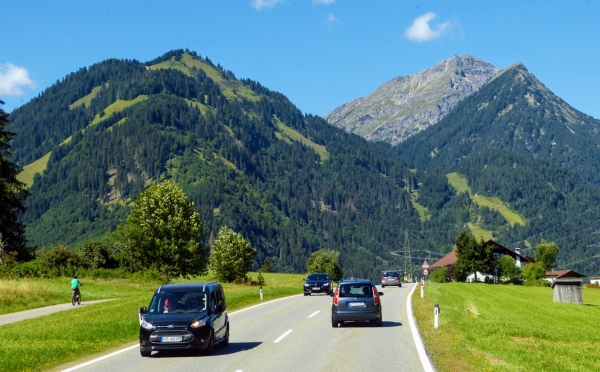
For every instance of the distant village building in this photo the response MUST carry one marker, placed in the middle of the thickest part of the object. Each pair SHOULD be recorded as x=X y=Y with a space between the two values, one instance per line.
x=498 y=251
x=566 y=286
x=595 y=280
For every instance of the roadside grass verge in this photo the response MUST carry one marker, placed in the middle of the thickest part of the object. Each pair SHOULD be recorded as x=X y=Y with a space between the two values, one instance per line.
x=518 y=328
x=50 y=341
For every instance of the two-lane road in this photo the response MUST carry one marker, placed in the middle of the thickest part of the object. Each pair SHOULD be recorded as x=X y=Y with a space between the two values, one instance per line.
x=294 y=334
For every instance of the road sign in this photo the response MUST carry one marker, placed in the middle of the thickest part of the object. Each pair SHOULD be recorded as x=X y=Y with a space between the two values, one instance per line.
x=425 y=271
x=425 y=265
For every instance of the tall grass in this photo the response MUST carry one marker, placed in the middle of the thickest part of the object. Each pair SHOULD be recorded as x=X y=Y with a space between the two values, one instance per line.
x=508 y=328
x=46 y=342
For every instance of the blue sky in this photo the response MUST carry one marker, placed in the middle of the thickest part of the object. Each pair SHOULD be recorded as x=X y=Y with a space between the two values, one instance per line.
x=319 y=53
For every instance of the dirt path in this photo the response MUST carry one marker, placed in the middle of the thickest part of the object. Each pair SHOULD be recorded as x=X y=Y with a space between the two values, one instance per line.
x=42 y=311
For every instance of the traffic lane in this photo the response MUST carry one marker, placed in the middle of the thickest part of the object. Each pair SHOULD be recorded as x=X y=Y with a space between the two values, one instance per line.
x=250 y=329
x=314 y=345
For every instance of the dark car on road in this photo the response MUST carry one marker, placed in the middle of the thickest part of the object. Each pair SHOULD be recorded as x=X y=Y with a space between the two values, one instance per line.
x=318 y=283
x=356 y=300
x=186 y=316
x=390 y=277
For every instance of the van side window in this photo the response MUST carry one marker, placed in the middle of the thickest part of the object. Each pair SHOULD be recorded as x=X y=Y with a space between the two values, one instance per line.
x=213 y=302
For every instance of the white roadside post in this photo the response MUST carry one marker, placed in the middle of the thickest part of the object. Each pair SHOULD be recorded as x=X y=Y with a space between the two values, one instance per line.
x=436 y=315
x=261 y=293
x=422 y=289
x=425 y=267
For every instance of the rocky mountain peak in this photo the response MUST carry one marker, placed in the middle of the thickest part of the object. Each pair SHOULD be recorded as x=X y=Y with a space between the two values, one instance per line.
x=408 y=104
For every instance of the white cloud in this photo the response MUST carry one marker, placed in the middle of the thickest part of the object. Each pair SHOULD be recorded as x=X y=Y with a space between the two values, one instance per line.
x=324 y=2
x=13 y=79
x=420 y=30
x=332 y=19
x=260 y=4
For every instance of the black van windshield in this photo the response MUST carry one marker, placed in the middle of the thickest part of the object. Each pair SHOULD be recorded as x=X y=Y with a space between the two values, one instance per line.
x=180 y=302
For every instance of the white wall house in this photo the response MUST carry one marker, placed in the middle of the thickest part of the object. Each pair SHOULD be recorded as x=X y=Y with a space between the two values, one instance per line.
x=480 y=277
x=595 y=280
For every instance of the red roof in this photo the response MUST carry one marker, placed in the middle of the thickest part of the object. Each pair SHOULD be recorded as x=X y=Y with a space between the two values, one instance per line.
x=449 y=259
x=560 y=274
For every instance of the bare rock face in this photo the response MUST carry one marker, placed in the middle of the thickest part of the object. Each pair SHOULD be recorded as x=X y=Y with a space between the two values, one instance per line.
x=408 y=104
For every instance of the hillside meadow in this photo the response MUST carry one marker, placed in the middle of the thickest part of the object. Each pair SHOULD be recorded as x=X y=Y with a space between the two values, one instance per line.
x=486 y=327
x=50 y=341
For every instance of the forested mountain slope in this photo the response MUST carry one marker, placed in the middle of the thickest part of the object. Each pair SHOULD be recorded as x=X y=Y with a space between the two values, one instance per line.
x=516 y=141
x=245 y=156
x=516 y=112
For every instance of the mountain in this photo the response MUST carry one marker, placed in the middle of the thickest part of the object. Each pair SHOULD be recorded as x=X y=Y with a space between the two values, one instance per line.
x=516 y=142
x=407 y=105
x=289 y=183
x=516 y=112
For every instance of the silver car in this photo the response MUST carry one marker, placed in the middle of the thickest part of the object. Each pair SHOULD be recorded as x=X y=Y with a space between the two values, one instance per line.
x=356 y=300
x=391 y=277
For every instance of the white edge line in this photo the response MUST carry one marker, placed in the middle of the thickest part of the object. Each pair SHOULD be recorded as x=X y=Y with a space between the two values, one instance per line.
x=283 y=336
x=137 y=344
x=101 y=358
x=315 y=313
x=415 y=333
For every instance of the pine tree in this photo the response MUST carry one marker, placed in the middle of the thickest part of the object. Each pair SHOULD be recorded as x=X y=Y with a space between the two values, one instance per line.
x=12 y=195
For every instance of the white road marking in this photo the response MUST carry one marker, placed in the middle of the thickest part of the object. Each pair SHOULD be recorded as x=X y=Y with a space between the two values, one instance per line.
x=315 y=313
x=101 y=358
x=415 y=333
x=138 y=345
x=283 y=335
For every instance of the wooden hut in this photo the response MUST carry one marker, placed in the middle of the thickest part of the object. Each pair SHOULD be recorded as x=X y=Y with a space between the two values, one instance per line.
x=566 y=286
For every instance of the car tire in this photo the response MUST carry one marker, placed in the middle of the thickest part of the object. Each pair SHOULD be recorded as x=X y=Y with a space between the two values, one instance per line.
x=145 y=353
x=210 y=349
x=309 y=293
x=378 y=323
x=382 y=286
x=334 y=324
x=225 y=341
x=306 y=294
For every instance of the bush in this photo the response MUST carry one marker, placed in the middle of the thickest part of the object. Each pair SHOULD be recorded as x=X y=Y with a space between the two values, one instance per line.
x=538 y=283
x=439 y=275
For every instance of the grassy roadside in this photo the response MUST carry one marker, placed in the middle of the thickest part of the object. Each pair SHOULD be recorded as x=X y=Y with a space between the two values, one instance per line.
x=43 y=343
x=519 y=328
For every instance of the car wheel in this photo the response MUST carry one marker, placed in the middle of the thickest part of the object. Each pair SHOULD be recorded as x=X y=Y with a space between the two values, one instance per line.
x=210 y=349
x=378 y=323
x=225 y=341
x=334 y=324
x=145 y=353
x=306 y=294
x=309 y=293
x=382 y=286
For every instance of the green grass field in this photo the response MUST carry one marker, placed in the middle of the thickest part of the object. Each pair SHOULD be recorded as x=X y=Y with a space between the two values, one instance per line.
x=50 y=341
x=519 y=328
x=288 y=135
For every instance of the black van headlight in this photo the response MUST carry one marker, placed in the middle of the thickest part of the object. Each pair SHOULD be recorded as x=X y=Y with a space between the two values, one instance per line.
x=198 y=323
x=146 y=325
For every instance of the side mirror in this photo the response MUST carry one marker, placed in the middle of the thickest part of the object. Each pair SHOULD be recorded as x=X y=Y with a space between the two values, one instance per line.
x=142 y=314
x=381 y=293
x=143 y=310
x=219 y=309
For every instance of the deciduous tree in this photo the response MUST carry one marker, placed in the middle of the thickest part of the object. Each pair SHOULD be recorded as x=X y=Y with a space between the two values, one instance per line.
x=325 y=261
x=163 y=232
x=231 y=256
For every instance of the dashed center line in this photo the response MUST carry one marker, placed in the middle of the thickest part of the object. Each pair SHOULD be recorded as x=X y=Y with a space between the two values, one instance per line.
x=315 y=313
x=283 y=336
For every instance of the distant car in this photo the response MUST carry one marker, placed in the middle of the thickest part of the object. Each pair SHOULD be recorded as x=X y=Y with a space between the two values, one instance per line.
x=356 y=300
x=390 y=277
x=184 y=316
x=318 y=283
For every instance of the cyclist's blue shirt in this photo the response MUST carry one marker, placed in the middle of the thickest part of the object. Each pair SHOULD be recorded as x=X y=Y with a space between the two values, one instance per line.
x=74 y=283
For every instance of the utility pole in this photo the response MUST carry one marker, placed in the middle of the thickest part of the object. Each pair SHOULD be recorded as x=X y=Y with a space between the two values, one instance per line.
x=407 y=257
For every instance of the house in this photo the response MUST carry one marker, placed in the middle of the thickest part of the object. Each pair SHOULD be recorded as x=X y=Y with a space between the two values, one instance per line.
x=595 y=280
x=566 y=286
x=498 y=251
x=481 y=277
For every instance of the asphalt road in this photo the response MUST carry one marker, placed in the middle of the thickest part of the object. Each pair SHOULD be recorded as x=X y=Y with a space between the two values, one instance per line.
x=42 y=311
x=293 y=334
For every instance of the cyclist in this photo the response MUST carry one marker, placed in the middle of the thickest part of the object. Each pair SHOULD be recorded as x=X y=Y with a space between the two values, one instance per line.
x=75 y=286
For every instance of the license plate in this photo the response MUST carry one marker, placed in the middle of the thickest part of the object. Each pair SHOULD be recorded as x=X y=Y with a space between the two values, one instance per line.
x=171 y=339
x=356 y=304
x=316 y=289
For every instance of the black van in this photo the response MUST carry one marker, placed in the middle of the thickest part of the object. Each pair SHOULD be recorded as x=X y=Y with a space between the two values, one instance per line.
x=184 y=316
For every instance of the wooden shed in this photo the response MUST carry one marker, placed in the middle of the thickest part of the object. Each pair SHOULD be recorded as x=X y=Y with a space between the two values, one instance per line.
x=566 y=286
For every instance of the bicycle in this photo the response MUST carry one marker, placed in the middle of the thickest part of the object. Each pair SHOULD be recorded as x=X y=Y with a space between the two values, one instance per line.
x=75 y=298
